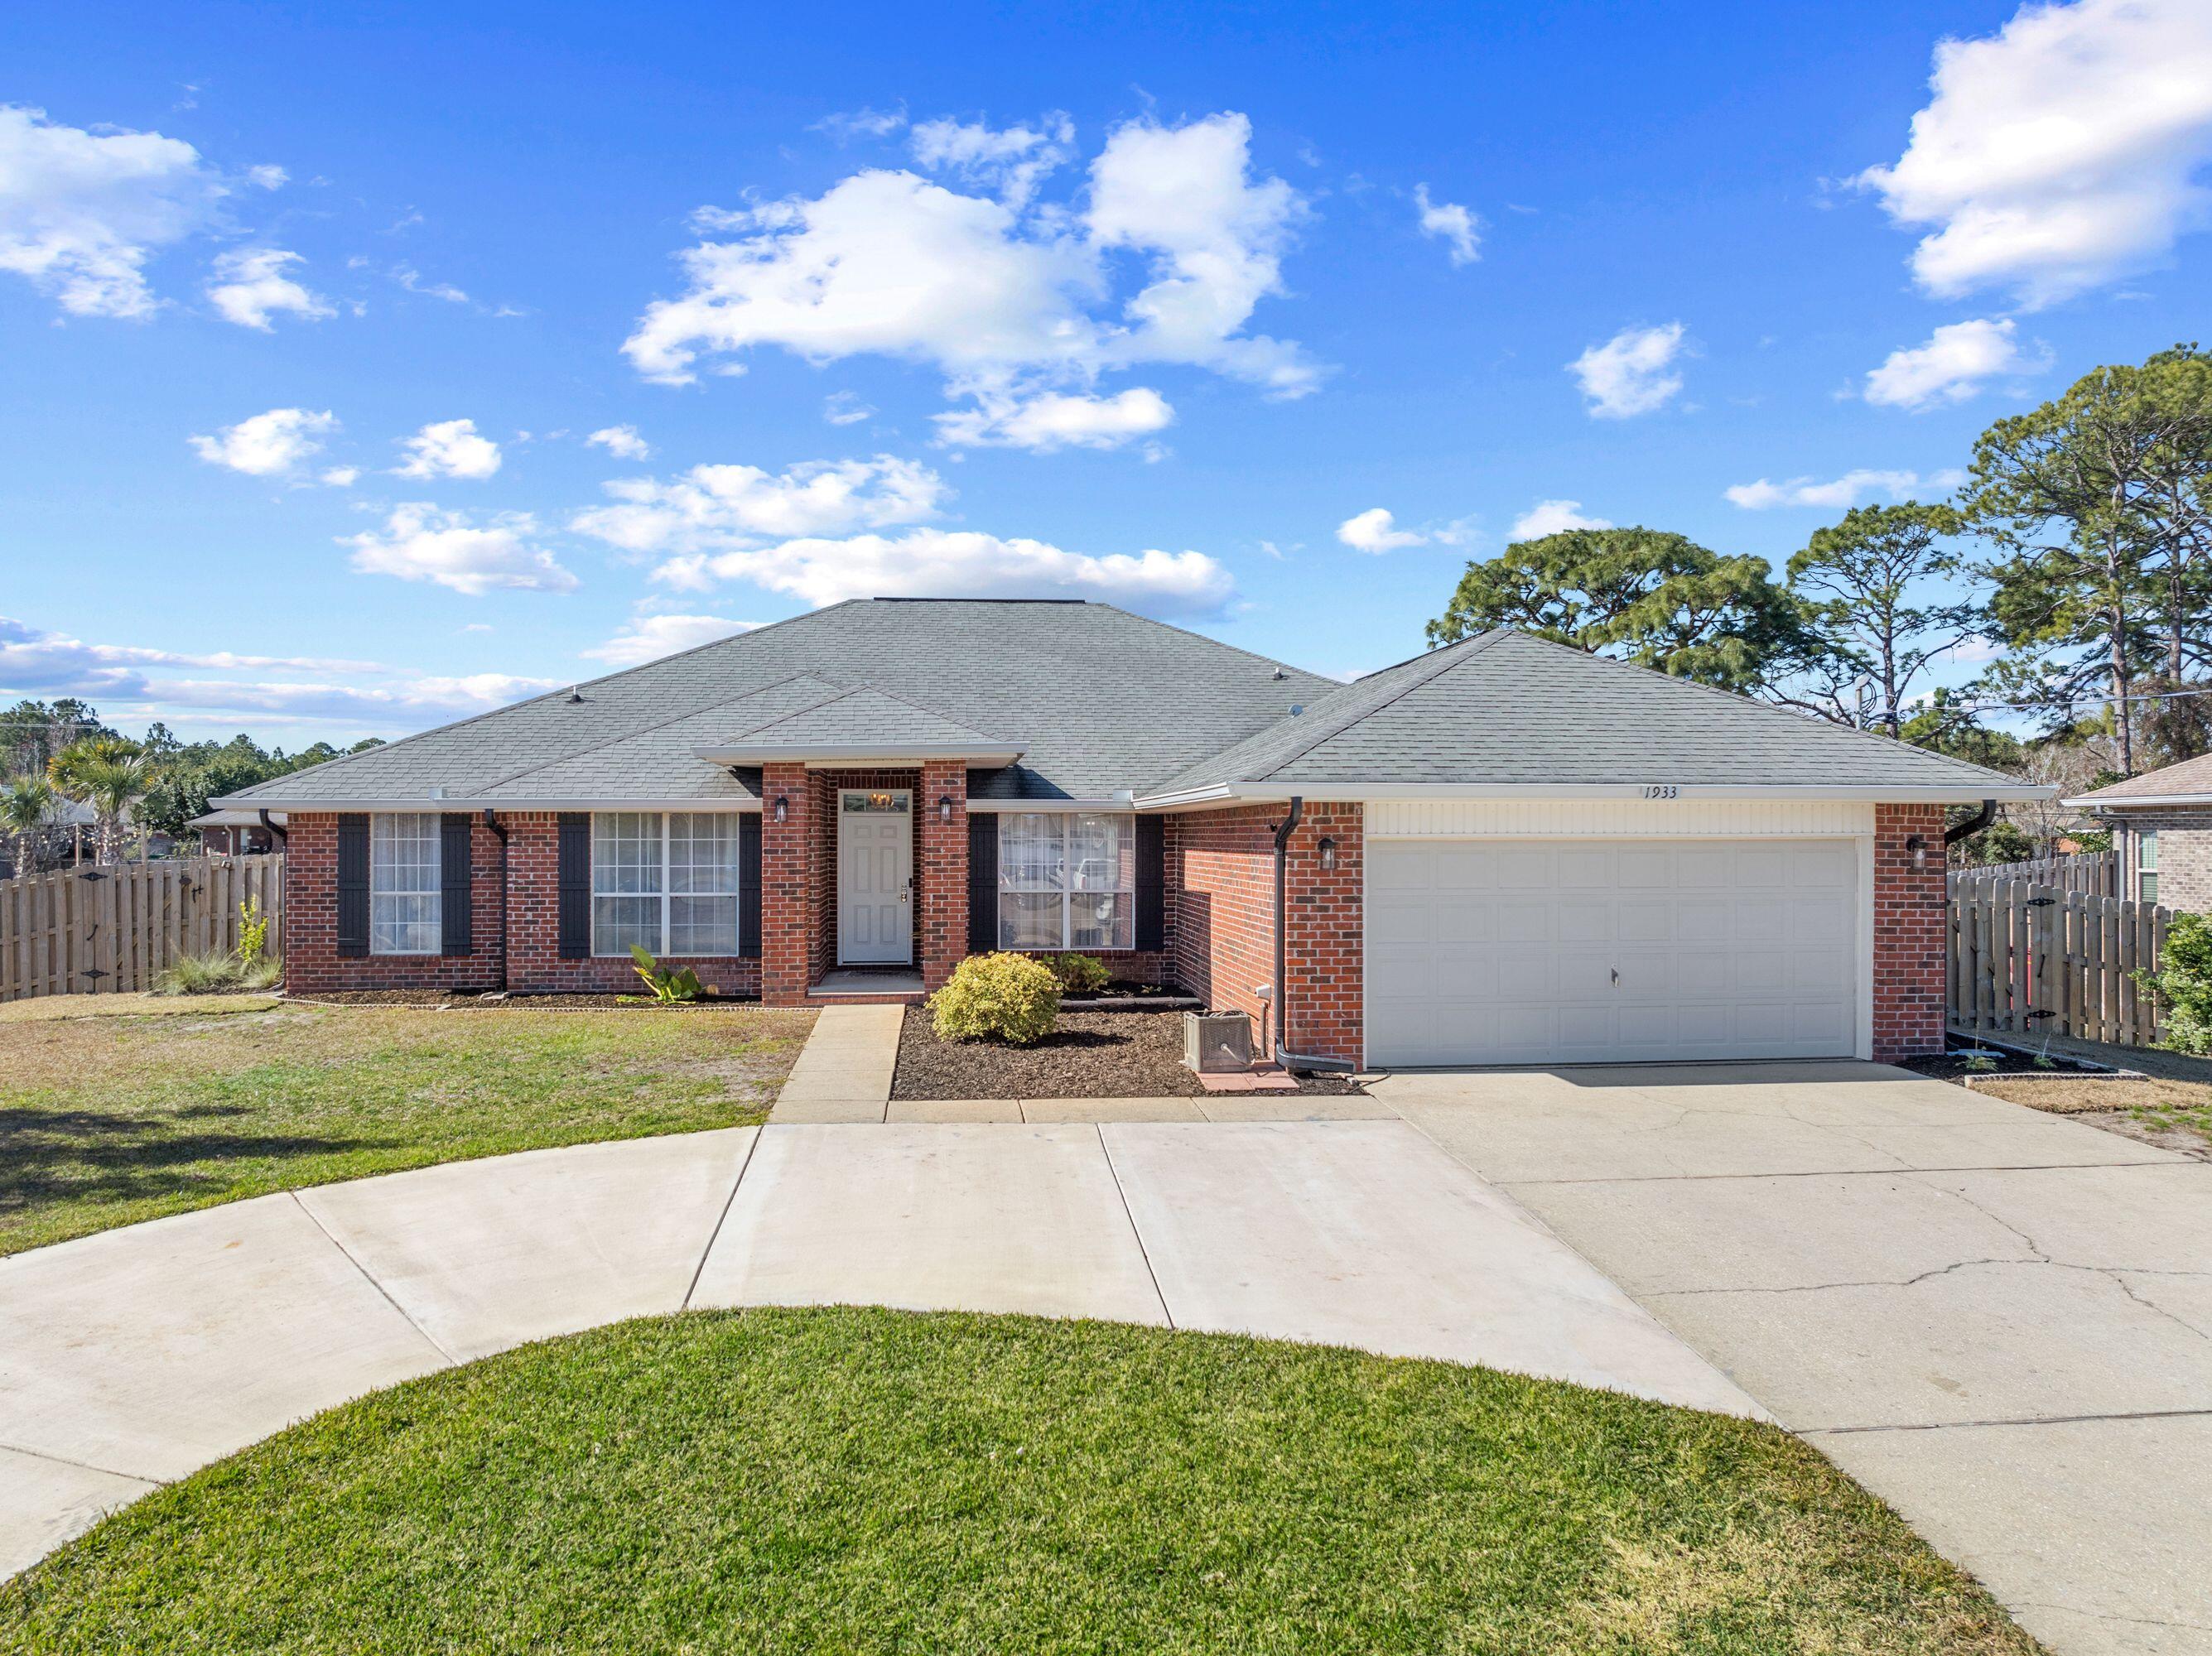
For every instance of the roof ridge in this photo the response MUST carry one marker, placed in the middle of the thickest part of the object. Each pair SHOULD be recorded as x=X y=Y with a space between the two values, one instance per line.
x=1476 y=646
x=575 y=753
x=1737 y=698
x=1219 y=644
x=849 y=691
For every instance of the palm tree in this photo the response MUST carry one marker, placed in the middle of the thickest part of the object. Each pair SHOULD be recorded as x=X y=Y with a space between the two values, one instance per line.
x=107 y=773
x=26 y=804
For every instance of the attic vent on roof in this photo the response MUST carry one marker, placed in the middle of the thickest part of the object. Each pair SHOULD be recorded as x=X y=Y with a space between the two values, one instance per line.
x=1297 y=707
x=1279 y=675
x=575 y=693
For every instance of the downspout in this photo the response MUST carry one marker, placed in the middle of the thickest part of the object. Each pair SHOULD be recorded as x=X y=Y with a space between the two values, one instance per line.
x=276 y=835
x=1974 y=824
x=1284 y=1055
x=492 y=823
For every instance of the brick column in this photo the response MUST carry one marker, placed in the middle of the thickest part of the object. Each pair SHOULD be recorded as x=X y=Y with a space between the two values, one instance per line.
x=941 y=870
x=1909 y=926
x=1327 y=929
x=788 y=895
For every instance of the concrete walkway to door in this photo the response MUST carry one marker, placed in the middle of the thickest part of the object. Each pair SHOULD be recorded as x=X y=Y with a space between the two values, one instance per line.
x=1998 y=1320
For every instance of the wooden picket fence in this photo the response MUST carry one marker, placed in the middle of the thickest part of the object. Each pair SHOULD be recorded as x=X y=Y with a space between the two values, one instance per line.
x=105 y=930
x=2031 y=960
x=2096 y=872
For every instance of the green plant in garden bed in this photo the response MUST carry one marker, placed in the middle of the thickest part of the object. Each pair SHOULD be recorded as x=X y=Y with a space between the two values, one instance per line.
x=1079 y=974
x=2183 y=983
x=865 y=1481
x=670 y=988
x=1010 y=998
x=218 y=973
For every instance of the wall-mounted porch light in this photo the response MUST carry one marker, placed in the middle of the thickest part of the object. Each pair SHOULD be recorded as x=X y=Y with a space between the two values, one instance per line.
x=944 y=808
x=1328 y=852
x=1917 y=845
x=782 y=807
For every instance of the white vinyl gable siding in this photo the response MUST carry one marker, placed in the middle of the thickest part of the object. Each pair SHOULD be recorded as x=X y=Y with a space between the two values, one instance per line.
x=666 y=880
x=403 y=882
x=1627 y=819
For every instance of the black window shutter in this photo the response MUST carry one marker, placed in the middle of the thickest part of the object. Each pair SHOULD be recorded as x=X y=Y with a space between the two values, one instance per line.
x=749 y=886
x=982 y=882
x=454 y=934
x=1151 y=883
x=353 y=883
x=575 y=885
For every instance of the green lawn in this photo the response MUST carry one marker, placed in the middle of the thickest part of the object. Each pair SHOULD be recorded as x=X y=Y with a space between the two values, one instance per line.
x=108 y=1119
x=855 y=1480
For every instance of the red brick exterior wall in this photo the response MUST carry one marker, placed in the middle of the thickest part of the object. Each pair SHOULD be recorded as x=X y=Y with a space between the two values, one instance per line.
x=312 y=964
x=941 y=871
x=788 y=926
x=1221 y=917
x=1908 y=942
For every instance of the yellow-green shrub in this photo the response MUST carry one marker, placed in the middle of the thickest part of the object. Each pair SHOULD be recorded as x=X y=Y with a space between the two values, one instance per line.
x=1079 y=974
x=1008 y=997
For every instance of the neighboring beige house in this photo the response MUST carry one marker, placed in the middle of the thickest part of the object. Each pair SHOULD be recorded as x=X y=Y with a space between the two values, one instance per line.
x=2161 y=824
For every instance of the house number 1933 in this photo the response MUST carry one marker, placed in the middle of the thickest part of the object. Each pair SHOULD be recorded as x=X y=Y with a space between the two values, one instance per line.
x=1661 y=790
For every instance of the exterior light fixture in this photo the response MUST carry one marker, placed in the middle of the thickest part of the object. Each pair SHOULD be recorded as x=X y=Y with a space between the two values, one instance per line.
x=1328 y=852
x=1917 y=845
x=782 y=807
x=944 y=807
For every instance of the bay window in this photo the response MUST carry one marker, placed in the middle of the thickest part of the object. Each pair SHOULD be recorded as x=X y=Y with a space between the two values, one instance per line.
x=666 y=879
x=1066 y=880
x=403 y=882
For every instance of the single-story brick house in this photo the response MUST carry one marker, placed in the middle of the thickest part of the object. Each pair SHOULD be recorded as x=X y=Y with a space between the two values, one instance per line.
x=1501 y=852
x=2161 y=824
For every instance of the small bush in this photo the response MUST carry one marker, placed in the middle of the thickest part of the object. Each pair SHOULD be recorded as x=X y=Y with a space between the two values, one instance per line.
x=252 y=934
x=2183 y=983
x=1079 y=974
x=201 y=974
x=1008 y=997
x=670 y=988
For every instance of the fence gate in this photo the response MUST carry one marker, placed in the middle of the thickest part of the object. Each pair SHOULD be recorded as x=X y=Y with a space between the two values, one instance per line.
x=105 y=930
x=2029 y=959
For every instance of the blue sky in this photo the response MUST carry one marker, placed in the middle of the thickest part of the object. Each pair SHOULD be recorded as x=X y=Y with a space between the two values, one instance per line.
x=1159 y=306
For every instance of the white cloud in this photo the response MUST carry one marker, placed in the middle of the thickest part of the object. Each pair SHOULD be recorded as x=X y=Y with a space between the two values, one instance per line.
x=448 y=448
x=729 y=505
x=844 y=408
x=1460 y=229
x=2060 y=152
x=268 y=177
x=944 y=563
x=1630 y=373
x=1053 y=420
x=1954 y=363
x=1553 y=518
x=1001 y=298
x=268 y=445
x=1836 y=494
x=421 y=543
x=1012 y=161
x=621 y=441
x=81 y=212
x=848 y=124
x=341 y=477
x=649 y=638
x=412 y=280
x=252 y=285
x=1371 y=530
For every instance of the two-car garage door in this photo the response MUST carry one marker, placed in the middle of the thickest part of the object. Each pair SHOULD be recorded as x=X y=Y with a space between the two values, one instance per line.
x=1491 y=951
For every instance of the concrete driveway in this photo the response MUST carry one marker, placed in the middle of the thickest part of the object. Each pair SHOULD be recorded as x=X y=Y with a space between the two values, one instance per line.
x=2000 y=1321
x=129 y=1358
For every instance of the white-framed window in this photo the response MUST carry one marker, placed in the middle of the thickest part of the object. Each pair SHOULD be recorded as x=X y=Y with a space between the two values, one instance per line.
x=2146 y=864
x=403 y=882
x=666 y=879
x=1066 y=880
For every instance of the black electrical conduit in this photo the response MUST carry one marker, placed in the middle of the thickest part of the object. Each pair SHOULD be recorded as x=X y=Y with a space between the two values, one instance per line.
x=491 y=822
x=1974 y=824
x=1284 y=1055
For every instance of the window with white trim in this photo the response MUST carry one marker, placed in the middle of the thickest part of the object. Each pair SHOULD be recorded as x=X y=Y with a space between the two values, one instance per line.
x=666 y=879
x=403 y=882
x=1066 y=880
x=2147 y=865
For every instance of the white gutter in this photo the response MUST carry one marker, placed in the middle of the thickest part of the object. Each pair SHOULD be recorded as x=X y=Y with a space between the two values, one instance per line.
x=1273 y=793
x=294 y=807
x=2135 y=801
x=1114 y=804
x=848 y=755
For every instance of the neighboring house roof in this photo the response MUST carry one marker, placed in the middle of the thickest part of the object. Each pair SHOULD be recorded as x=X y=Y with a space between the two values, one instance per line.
x=1096 y=703
x=2189 y=783
x=235 y=819
x=1508 y=710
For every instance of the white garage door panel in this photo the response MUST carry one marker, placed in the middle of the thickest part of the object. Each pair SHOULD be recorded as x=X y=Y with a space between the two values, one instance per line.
x=1505 y=952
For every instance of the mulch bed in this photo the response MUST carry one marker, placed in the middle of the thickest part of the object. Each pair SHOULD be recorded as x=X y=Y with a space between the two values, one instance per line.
x=1087 y=1055
x=443 y=1000
x=1952 y=1067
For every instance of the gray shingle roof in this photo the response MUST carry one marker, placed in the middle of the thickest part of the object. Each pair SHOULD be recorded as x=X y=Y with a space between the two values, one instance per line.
x=2189 y=777
x=1509 y=708
x=865 y=717
x=1101 y=701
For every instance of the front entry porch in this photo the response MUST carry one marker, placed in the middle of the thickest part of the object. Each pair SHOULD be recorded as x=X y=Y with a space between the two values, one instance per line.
x=869 y=985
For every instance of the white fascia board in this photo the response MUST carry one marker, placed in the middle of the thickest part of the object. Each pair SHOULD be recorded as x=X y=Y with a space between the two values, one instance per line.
x=2140 y=802
x=1231 y=793
x=823 y=757
x=294 y=807
x=1115 y=805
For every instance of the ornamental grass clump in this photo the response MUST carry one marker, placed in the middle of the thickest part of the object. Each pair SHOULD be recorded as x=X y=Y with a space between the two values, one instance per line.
x=1009 y=998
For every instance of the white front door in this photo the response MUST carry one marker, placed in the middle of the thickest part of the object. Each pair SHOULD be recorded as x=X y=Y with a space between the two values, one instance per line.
x=1486 y=951
x=875 y=877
